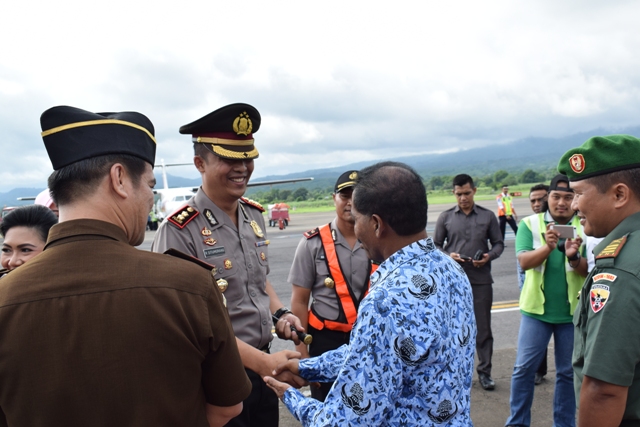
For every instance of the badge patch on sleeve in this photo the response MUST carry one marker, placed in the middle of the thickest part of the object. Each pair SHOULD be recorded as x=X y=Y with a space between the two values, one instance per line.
x=599 y=296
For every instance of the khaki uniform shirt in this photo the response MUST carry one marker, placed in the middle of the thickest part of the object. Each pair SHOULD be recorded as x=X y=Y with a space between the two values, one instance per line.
x=607 y=337
x=239 y=254
x=97 y=333
x=309 y=269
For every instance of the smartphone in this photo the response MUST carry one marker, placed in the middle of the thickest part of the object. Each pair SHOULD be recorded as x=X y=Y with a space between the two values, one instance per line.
x=566 y=231
x=465 y=257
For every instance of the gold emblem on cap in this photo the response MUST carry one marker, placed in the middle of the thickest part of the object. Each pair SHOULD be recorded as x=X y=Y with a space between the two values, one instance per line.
x=353 y=175
x=329 y=283
x=242 y=124
x=263 y=256
x=577 y=163
x=227 y=264
x=205 y=231
x=256 y=229
x=210 y=241
x=222 y=285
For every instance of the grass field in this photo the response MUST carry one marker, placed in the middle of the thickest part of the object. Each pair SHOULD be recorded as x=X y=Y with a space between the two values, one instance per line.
x=433 y=197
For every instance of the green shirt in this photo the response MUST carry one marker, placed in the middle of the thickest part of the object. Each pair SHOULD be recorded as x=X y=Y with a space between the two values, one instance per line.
x=607 y=321
x=556 y=300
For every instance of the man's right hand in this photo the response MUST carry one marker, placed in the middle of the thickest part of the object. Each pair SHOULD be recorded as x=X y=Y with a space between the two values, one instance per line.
x=551 y=236
x=283 y=358
x=456 y=257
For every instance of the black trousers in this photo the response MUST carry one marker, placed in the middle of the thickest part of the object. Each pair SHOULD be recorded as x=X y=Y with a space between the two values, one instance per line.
x=482 y=300
x=324 y=341
x=503 y=225
x=260 y=409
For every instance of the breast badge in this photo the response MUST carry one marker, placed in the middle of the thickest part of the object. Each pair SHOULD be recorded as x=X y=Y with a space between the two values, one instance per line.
x=263 y=256
x=210 y=241
x=329 y=283
x=205 y=231
x=222 y=285
x=256 y=229
x=227 y=264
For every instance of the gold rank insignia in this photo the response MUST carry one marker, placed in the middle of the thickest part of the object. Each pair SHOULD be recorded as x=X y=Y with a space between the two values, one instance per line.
x=242 y=124
x=256 y=229
x=210 y=241
x=263 y=256
x=183 y=217
x=329 y=283
x=205 y=231
x=613 y=249
x=222 y=285
x=227 y=264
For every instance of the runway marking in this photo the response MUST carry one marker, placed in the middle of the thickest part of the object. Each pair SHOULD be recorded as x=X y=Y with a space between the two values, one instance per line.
x=504 y=306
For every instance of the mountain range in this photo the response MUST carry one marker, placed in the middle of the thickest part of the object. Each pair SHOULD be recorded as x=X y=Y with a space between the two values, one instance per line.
x=529 y=153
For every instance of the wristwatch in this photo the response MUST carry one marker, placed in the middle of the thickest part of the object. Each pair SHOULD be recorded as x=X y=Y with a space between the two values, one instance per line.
x=575 y=258
x=279 y=313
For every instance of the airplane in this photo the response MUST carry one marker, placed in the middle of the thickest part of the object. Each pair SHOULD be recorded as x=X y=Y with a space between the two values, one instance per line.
x=170 y=199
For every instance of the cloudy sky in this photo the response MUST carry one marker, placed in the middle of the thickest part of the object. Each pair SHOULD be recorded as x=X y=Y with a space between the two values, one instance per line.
x=335 y=81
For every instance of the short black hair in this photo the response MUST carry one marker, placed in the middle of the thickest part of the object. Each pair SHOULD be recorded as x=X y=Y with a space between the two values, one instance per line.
x=38 y=217
x=630 y=177
x=395 y=192
x=539 y=187
x=463 y=179
x=77 y=180
x=201 y=150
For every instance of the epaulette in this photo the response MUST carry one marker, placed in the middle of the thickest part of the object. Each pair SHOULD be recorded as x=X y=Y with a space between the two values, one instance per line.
x=613 y=249
x=183 y=216
x=309 y=234
x=252 y=203
x=176 y=253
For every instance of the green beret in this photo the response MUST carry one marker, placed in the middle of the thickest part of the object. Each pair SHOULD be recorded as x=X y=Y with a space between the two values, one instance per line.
x=601 y=155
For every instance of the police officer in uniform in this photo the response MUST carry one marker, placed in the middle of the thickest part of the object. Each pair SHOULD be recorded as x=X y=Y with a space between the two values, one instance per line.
x=605 y=176
x=94 y=331
x=331 y=266
x=224 y=229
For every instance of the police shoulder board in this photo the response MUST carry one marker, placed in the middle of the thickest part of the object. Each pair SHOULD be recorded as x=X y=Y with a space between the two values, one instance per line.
x=252 y=203
x=183 y=216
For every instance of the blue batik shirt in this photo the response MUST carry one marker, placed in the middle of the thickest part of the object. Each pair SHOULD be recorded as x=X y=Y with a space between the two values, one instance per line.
x=410 y=359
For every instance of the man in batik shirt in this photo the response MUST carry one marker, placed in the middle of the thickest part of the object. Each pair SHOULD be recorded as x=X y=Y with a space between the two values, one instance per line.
x=410 y=360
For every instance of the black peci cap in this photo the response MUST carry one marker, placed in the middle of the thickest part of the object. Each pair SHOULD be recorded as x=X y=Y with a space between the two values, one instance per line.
x=71 y=134
x=227 y=132
x=346 y=180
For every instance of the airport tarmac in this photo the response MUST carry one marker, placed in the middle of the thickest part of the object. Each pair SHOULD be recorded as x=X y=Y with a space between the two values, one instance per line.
x=488 y=408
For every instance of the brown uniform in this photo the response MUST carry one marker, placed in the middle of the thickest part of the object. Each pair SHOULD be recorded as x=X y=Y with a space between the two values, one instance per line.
x=97 y=333
x=239 y=254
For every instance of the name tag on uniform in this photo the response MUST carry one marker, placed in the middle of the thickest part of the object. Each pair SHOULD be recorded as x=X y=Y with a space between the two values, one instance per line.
x=214 y=252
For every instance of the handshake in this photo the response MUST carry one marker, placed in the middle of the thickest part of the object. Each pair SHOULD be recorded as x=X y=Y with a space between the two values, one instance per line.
x=285 y=374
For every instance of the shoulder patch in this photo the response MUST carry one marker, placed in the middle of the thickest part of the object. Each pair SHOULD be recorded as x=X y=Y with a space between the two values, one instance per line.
x=183 y=216
x=309 y=234
x=613 y=249
x=252 y=203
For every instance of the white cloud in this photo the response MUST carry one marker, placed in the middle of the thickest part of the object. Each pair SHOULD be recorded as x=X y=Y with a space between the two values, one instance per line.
x=335 y=81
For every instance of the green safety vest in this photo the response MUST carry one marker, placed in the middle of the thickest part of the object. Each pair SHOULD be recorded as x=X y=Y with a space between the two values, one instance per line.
x=532 y=295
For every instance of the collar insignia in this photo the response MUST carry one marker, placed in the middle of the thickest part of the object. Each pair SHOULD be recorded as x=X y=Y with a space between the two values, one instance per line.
x=334 y=235
x=211 y=218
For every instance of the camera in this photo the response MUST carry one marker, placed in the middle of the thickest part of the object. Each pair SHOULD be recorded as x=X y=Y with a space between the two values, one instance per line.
x=478 y=255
